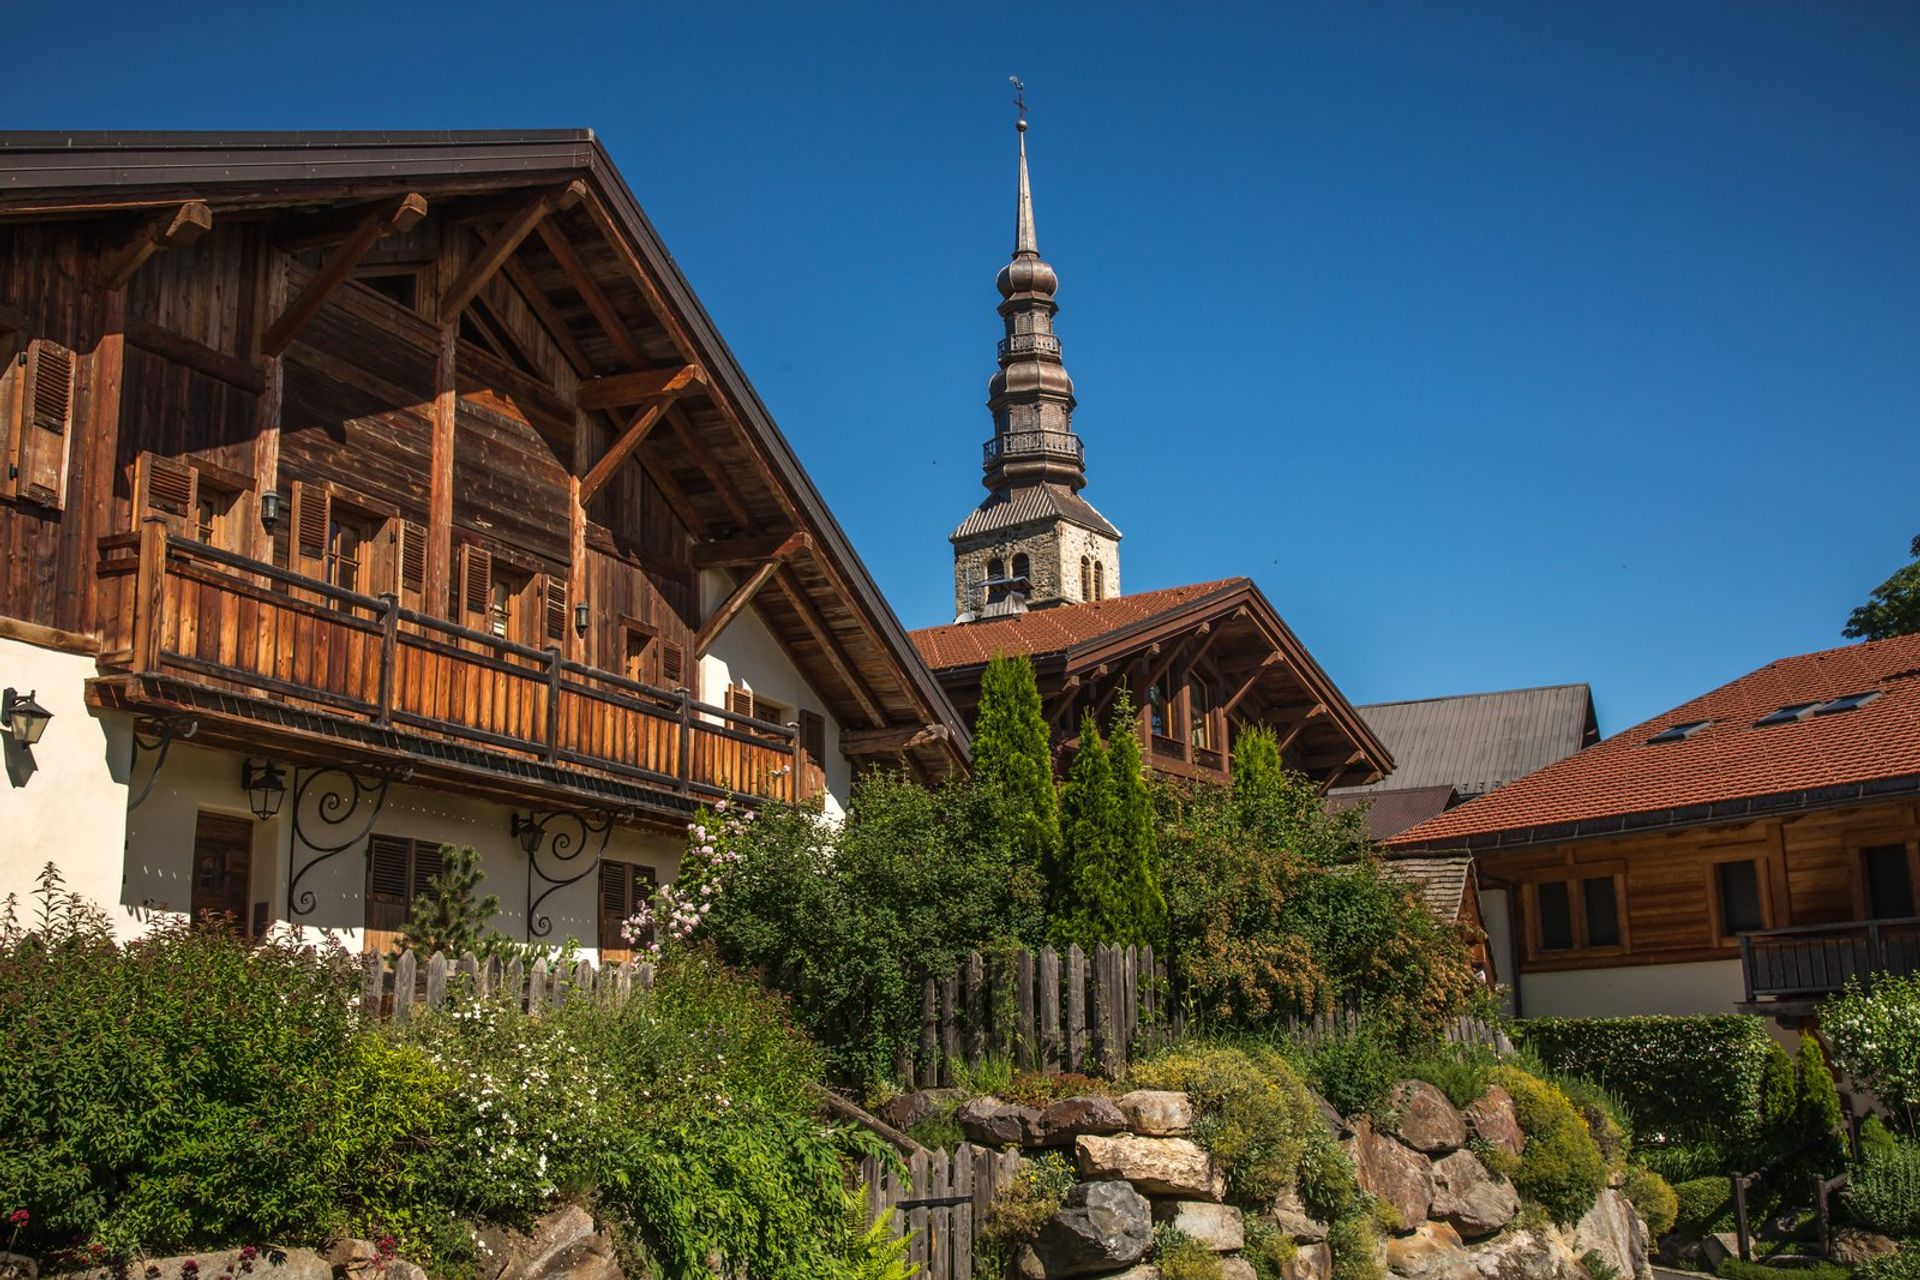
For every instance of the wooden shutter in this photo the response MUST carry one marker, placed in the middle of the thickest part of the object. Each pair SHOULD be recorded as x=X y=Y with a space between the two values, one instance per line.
x=813 y=736
x=428 y=861
x=475 y=588
x=613 y=911
x=740 y=701
x=169 y=489
x=389 y=884
x=673 y=665
x=554 y=589
x=312 y=522
x=43 y=423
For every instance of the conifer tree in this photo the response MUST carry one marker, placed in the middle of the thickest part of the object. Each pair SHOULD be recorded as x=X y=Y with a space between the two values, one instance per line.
x=1141 y=908
x=1011 y=750
x=1083 y=890
x=1821 y=1122
x=1258 y=767
x=451 y=917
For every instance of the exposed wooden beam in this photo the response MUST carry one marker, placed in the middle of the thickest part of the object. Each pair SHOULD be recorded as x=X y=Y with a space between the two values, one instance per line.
x=583 y=284
x=198 y=356
x=446 y=395
x=555 y=324
x=716 y=478
x=494 y=254
x=823 y=636
x=1246 y=686
x=1340 y=770
x=391 y=217
x=731 y=553
x=609 y=463
x=296 y=233
x=636 y=271
x=742 y=595
x=1299 y=726
x=619 y=390
x=892 y=740
x=173 y=228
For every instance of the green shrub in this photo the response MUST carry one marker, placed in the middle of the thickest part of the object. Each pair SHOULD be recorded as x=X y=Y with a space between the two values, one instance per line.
x=1561 y=1168
x=1682 y=1078
x=1875 y=1136
x=1354 y=1072
x=1779 y=1096
x=1329 y=1187
x=1685 y=1161
x=1817 y=1116
x=1608 y=1120
x=1021 y=1207
x=1876 y=1041
x=1251 y=1112
x=1459 y=1072
x=1904 y=1265
x=1884 y=1190
x=1268 y=1249
x=1734 y=1269
x=1702 y=1205
x=1653 y=1199
x=1180 y=1257
x=1597 y=1267
x=1355 y=1241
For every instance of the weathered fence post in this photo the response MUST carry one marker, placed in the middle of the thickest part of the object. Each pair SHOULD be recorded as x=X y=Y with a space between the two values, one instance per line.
x=403 y=972
x=1048 y=999
x=1076 y=978
x=373 y=974
x=949 y=1026
x=537 y=986
x=1027 y=1047
x=929 y=1034
x=516 y=981
x=436 y=980
x=976 y=979
x=469 y=971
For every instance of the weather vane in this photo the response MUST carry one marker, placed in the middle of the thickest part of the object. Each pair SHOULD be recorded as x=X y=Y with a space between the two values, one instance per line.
x=1019 y=102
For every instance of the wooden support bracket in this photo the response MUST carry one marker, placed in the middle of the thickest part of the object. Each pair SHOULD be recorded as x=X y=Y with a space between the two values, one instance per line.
x=392 y=218
x=830 y=647
x=743 y=594
x=494 y=254
x=893 y=740
x=637 y=431
x=1246 y=686
x=617 y=391
x=172 y=228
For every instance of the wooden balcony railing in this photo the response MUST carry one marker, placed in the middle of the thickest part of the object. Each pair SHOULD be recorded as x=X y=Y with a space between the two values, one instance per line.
x=174 y=607
x=1817 y=960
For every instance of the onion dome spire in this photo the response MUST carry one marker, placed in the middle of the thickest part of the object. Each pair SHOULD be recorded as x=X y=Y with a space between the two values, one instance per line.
x=1031 y=395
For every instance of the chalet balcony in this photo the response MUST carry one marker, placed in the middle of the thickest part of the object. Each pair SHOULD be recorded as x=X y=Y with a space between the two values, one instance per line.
x=1788 y=971
x=269 y=660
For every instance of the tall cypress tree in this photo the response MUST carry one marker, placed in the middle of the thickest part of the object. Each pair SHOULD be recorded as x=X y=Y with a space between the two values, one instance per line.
x=1011 y=750
x=1141 y=909
x=1083 y=890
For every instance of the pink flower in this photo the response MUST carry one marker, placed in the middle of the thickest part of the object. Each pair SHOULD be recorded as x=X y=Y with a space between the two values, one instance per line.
x=190 y=1268
x=18 y=1217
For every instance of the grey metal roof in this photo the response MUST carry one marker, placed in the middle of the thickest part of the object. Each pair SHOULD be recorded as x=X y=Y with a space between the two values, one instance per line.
x=1392 y=811
x=1476 y=742
x=1028 y=506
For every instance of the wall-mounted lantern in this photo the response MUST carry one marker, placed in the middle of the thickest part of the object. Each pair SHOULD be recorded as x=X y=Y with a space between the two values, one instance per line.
x=580 y=618
x=269 y=511
x=529 y=831
x=23 y=716
x=265 y=786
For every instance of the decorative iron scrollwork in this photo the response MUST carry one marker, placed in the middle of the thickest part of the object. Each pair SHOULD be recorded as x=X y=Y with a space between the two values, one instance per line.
x=327 y=800
x=154 y=735
x=565 y=834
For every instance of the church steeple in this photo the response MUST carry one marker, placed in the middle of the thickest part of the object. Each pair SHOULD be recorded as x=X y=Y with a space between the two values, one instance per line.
x=1034 y=540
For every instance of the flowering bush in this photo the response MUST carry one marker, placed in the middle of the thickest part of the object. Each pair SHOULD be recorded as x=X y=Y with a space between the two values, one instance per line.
x=1876 y=1040
x=714 y=848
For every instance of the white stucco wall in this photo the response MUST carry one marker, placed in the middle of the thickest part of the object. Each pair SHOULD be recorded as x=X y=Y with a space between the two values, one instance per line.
x=1711 y=986
x=1496 y=914
x=748 y=655
x=65 y=799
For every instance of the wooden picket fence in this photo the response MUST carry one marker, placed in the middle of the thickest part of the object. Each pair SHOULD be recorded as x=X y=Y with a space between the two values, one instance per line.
x=938 y=1201
x=390 y=988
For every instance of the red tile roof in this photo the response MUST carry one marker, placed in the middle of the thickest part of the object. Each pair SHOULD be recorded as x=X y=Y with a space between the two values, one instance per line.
x=1057 y=628
x=1731 y=758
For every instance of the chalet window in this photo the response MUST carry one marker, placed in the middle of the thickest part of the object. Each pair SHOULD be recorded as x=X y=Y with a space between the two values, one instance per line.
x=1554 y=901
x=349 y=537
x=41 y=422
x=503 y=598
x=222 y=868
x=1163 y=712
x=639 y=657
x=673 y=666
x=813 y=736
x=624 y=889
x=1200 y=717
x=1738 y=887
x=1602 y=911
x=398 y=870
x=1889 y=882
x=214 y=515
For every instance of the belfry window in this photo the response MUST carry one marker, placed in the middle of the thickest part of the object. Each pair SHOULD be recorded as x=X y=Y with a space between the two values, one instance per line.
x=1086 y=578
x=1020 y=566
x=1099 y=581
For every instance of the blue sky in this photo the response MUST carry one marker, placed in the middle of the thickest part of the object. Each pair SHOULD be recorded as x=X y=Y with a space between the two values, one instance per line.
x=1503 y=344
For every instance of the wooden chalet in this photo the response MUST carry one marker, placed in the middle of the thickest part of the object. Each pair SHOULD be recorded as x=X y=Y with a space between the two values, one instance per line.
x=1199 y=662
x=405 y=474
x=1752 y=849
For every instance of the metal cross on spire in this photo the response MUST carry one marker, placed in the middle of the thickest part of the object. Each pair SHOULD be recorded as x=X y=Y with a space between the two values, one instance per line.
x=1019 y=103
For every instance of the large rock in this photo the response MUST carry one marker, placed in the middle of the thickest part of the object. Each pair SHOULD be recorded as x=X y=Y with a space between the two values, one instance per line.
x=1158 y=1166
x=1852 y=1246
x=1495 y=1121
x=263 y=1263
x=1291 y=1216
x=1465 y=1194
x=909 y=1109
x=1102 y=1226
x=1614 y=1231
x=1431 y=1251
x=1336 y=1124
x=1428 y=1122
x=1237 y=1269
x=1309 y=1262
x=349 y=1256
x=1527 y=1255
x=989 y=1122
x=18 y=1266
x=1219 y=1227
x=562 y=1245
x=1397 y=1174
x=1063 y=1121
x=1158 y=1113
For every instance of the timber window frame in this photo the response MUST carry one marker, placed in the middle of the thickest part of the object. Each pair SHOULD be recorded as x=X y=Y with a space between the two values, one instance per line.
x=621 y=888
x=1577 y=892
x=1896 y=872
x=1726 y=932
x=398 y=869
x=194 y=498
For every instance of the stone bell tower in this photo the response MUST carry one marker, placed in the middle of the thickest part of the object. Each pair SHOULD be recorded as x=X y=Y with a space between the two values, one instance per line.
x=1034 y=541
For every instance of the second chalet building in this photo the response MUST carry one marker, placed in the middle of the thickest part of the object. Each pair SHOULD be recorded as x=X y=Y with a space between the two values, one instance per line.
x=373 y=491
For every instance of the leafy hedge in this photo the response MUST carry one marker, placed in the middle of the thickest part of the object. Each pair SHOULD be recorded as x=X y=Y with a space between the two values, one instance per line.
x=1683 y=1078
x=1561 y=1168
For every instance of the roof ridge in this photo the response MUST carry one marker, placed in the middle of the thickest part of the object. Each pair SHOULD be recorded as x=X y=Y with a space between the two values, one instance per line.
x=1483 y=693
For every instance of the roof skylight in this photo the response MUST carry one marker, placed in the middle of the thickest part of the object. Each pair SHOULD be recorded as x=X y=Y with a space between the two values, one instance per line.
x=1787 y=714
x=1679 y=732
x=1850 y=702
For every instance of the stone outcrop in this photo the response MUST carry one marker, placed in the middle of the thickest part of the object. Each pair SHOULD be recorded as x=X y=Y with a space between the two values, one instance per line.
x=562 y=1245
x=1431 y=1251
x=1063 y=1121
x=1853 y=1246
x=1468 y=1196
x=1494 y=1120
x=909 y=1109
x=1614 y=1231
x=1291 y=1216
x=1158 y=1166
x=1428 y=1122
x=1158 y=1113
x=1309 y=1262
x=1103 y=1226
x=1219 y=1227
x=1527 y=1255
x=1397 y=1174
x=989 y=1122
